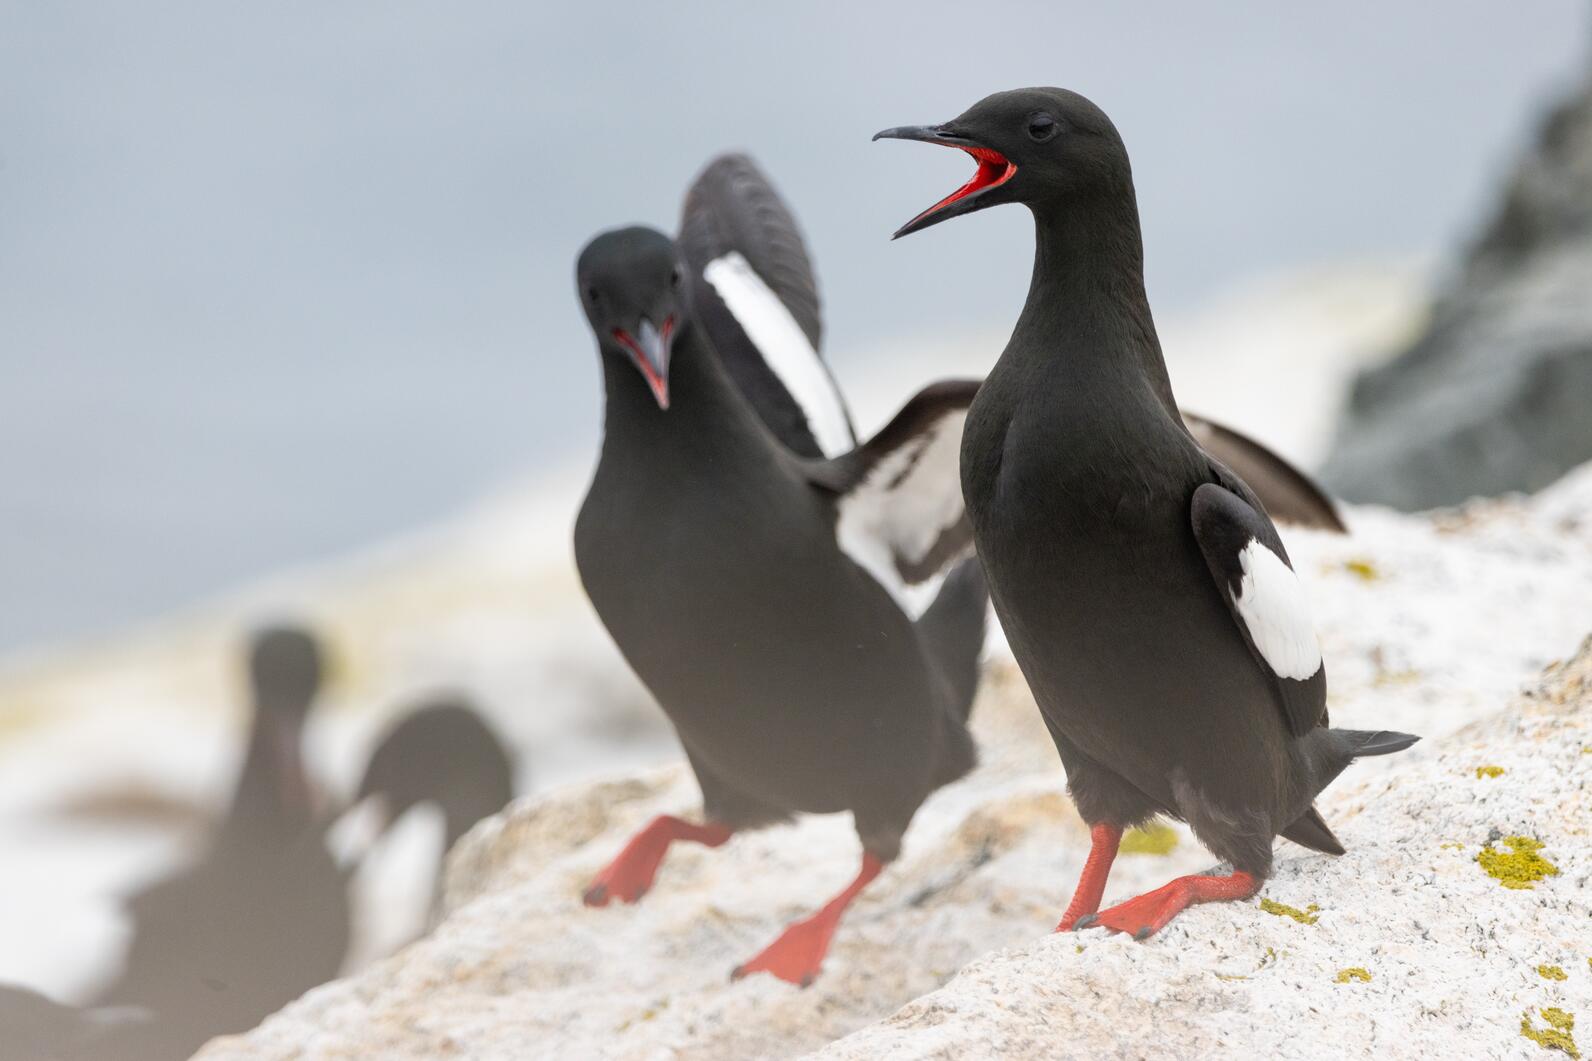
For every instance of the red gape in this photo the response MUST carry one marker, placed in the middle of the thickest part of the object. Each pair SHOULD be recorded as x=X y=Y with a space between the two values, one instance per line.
x=1103 y=842
x=798 y=954
x=628 y=876
x=1151 y=912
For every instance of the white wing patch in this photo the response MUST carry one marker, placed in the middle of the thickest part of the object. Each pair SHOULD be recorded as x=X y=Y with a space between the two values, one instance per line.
x=785 y=349
x=1275 y=610
x=900 y=509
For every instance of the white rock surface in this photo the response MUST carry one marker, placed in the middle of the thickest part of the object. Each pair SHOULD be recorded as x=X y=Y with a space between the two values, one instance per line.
x=1428 y=625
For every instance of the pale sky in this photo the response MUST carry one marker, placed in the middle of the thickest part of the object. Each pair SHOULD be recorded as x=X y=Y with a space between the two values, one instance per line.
x=277 y=280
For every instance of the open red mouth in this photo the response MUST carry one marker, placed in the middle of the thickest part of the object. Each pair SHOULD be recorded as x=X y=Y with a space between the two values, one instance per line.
x=651 y=357
x=994 y=169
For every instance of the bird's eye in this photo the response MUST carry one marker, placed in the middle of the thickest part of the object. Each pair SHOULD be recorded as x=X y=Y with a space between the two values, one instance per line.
x=1041 y=127
x=674 y=277
x=591 y=293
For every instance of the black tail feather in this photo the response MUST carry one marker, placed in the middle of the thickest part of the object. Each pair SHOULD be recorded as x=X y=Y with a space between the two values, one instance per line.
x=1364 y=743
x=1326 y=753
x=1311 y=830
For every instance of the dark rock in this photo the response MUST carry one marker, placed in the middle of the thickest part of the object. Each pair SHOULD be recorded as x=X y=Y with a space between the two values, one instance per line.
x=1496 y=396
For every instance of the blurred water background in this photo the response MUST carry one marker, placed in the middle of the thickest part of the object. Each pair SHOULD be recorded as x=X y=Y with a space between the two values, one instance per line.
x=276 y=281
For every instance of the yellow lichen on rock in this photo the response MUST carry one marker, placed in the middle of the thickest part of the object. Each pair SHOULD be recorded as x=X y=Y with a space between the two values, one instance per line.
x=1307 y=916
x=1519 y=868
x=1361 y=568
x=1556 y=1036
x=1157 y=838
x=1552 y=972
x=1385 y=678
x=1489 y=771
x=1353 y=972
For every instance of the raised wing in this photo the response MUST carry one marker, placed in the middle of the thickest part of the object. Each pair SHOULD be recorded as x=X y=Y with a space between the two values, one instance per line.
x=757 y=296
x=900 y=513
x=1269 y=605
x=1288 y=494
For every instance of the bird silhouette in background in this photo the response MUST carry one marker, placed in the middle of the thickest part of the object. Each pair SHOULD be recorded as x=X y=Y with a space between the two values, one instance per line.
x=443 y=754
x=262 y=915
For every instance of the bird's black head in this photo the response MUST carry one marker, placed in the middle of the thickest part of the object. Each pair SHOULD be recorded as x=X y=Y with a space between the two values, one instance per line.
x=634 y=287
x=285 y=668
x=1032 y=145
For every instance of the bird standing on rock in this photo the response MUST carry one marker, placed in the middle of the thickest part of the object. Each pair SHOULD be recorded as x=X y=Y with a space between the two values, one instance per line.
x=1142 y=586
x=263 y=915
x=743 y=552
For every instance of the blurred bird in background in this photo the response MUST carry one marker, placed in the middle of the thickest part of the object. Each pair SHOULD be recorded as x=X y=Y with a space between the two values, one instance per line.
x=263 y=914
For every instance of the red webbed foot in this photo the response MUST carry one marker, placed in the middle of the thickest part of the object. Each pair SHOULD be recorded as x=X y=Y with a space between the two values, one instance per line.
x=798 y=954
x=1147 y=914
x=629 y=876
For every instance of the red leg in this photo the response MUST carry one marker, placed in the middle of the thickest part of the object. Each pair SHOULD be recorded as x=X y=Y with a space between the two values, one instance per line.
x=798 y=954
x=628 y=876
x=1103 y=842
x=1151 y=912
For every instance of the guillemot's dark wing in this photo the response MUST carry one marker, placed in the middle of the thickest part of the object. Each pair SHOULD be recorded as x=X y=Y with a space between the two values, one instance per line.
x=1268 y=604
x=1288 y=493
x=756 y=294
x=898 y=496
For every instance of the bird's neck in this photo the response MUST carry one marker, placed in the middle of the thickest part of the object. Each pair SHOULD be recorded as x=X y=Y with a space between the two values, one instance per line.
x=1087 y=319
x=271 y=786
x=706 y=412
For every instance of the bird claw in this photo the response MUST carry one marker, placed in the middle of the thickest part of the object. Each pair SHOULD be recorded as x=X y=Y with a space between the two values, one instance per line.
x=741 y=972
x=604 y=892
x=1086 y=921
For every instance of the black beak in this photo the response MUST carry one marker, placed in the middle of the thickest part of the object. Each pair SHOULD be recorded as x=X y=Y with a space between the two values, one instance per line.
x=650 y=348
x=994 y=170
x=928 y=134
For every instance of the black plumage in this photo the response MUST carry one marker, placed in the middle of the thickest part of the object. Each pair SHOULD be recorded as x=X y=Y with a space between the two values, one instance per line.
x=713 y=552
x=1289 y=493
x=1140 y=582
x=444 y=753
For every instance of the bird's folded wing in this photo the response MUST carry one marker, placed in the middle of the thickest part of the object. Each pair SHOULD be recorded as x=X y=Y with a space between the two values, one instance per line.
x=756 y=294
x=900 y=512
x=1287 y=492
x=1269 y=605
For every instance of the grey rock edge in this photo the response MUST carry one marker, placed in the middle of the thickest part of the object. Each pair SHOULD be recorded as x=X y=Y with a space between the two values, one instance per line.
x=1496 y=395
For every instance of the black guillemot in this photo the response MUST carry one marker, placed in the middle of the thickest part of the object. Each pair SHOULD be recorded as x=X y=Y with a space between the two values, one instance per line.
x=754 y=564
x=1141 y=584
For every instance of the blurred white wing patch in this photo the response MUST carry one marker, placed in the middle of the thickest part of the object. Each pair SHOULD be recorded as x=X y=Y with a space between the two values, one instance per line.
x=1272 y=603
x=899 y=520
x=784 y=346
